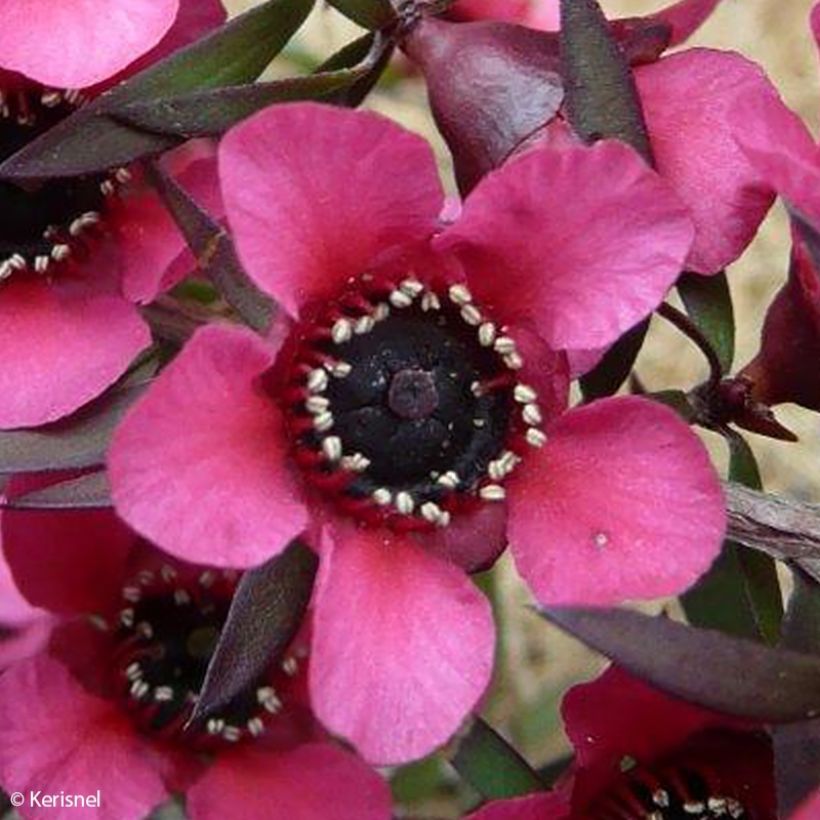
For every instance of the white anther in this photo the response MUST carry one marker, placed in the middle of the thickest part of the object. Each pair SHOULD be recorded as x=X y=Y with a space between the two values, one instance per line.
x=660 y=797
x=127 y=617
x=123 y=175
x=132 y=594
x=717 y=805
x=323 y=421
x=342 y=331
x=513 y=361
x=382 y=496
x=317 y=404
x=133 y=671
x=41 y=263
x=145 y=577
x=264 y=693
x=694 y=807
x=735 y=808
x=486 y=334
x=290 y=666
x=492 y=492
x=430 y=302
x=449 y=479
x=443 y=519
x=332 y=448
x=181 y=597
x=51 y=99
x=535 y=437
x=431 y=512
x=59 y=253
x=107 y=188
x=504 y=345
x=364 y=324
x=412 y=287
x=381 y=311
x=476 y=389
x=255 y=726
x=340 y=369
x=5 y=270
x=145 y=630
x=139 y=689
x=231 y=733
x=460 y=294
x=317 y=380
x=405 y=503
x=357 y=463
x=399 y=299
x=207 y=578
x=471 y=315
x=524 y=394
x=18 y=262
x=532 y=415
x=167 y=573
x=214 y=726
x=163 y=693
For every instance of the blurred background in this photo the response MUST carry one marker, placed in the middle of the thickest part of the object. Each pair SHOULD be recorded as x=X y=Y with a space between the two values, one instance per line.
x=535 y=664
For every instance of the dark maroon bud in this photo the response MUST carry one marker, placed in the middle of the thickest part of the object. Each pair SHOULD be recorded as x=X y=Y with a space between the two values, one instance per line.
x=787 y=368
x=491 y=85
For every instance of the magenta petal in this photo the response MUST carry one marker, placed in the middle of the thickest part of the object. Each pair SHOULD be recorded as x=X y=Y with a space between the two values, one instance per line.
x=316 y=781
x=781 y=149
x=546 y=806
x=402 y=645
x=687 y=101
x=199 y=466
x=473 y=540
x=62 y=344
x=79 y=43
x=621 y=503
x=314 y=194
x=56 y=737
x=545 y=244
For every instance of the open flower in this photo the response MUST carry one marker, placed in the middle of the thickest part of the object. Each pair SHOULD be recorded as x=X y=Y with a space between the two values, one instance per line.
x=642 y=754
x=409 y=415
x=105 y=705
x=77 y=254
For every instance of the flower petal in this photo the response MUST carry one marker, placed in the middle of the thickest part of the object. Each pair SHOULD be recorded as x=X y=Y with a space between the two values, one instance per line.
x=77 y=44
x=55 y=737
x=546 y=806
x=402 y=647
x=199 y=465
x=316 y=781
x=314 y=194
x=473 y=540
x=63 y=343
x=687 y=101
x=545 y=244
x=621 y=503
x=65 y=561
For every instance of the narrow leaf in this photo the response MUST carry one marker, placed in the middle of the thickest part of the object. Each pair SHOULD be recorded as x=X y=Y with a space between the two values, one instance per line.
x=614 y=369
x=801 y=623
x=709 y=304
x=721 y=672
x=602 y=101
x=81 y=440
x=215 y=252
x=265 y=614
x=492 y=766
x=372 y=14
x=212 y=112
x=84 y=493
x=90 y=140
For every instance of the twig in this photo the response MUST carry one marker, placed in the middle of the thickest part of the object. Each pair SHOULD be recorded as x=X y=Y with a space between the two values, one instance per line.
x=686 y=326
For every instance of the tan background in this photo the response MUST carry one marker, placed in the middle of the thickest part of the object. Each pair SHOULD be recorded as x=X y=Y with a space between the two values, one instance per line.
x=536 y=665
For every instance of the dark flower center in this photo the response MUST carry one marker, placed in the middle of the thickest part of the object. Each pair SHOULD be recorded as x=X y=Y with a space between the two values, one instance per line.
x=167 y=634
x=405 y=403
x=44 y=220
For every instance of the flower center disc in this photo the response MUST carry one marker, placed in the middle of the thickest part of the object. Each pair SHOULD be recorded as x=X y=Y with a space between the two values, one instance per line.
x=403 y=403
x=41 y=220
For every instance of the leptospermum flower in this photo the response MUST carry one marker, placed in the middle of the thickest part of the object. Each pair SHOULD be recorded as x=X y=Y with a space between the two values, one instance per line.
x=77 y=255
x=409 y=416
x=104 y=705
x=642 y=754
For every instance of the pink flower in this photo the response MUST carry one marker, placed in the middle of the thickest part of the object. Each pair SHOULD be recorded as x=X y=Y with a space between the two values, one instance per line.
x=76 y=255
x=104 y=706
x=639 y=752
x=407 y=415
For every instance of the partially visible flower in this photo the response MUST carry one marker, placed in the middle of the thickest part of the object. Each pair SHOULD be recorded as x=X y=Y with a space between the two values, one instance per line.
x=76 y=255
x=409 y=415
x=642 y=754
x=104 y=706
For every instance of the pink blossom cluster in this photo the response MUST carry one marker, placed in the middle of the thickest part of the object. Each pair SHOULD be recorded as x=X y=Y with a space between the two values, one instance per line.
x=406 y=418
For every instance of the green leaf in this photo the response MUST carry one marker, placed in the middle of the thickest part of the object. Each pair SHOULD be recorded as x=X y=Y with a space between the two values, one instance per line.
x=91 y=140
x=676 y=400
x=493 y=767
x=721 y=672
x=372 y=14
x=87 y=492
x=601 y=98
x=418 y=781
x=215 y=253
x=708 y=302
x=801 y=623
x=614 y=369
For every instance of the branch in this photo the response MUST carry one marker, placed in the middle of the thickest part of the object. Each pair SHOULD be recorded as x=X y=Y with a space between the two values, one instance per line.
x=786 y=529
